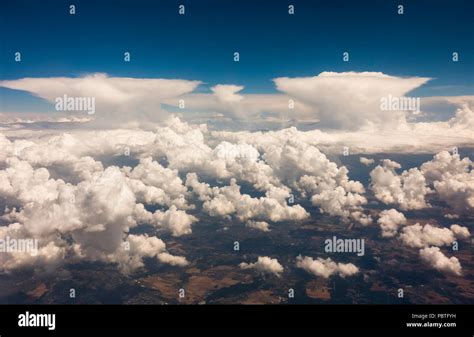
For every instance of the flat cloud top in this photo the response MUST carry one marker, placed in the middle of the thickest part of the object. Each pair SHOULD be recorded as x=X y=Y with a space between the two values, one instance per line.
x=119 y=100
x=351 y=99
x=345 y=107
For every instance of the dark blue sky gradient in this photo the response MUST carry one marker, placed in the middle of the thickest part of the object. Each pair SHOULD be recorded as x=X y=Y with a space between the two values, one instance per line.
x=200 y=45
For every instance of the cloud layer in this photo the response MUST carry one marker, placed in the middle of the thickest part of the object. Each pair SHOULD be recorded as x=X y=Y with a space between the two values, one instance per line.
x=70 y=189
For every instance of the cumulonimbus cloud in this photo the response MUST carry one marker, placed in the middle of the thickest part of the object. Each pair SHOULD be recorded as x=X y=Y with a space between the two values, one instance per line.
x=352 y=99
x=348 y=101
x=118 y=100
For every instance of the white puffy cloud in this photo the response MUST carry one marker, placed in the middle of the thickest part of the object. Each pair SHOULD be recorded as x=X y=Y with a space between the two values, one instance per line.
x=453 y=180
x=418 y=236
x=366 y=161
x=21 y=183
x=361 y=218
x=457 y=191
x=139 y=247
x=390 y=221
x=390 y=164
x=273 y=168
x=298 y=163
x=172 y=259
x=176 y=221
x=7 y=148
x=59 y=185
x=144 y=246
x=156 y=184
x=227 y=93
x=259 y=225
x=339 y=202
x=48 y=254
x=264 y=265
x=460 y=232
x=407 y=190
x=227 y=200
x=307 y=169
x=443 y=164
x=436 y=259
x=326 y=267
x=96 y=215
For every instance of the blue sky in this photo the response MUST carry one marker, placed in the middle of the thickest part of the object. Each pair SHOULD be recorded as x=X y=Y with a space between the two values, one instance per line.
x=200 y=45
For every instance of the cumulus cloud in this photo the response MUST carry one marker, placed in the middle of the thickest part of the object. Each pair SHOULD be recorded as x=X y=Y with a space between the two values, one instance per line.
x=176 y=221
x=47 y=257
x=227 y=200
x=227 y=93
x=71 y=189
x=436 y=259
x=453 y=180
x=418 y=236
x=95 y=215
x=259 y=225
x=273 y=166
x=447 y=175
x=407 y=190
x=443 y=164
x=156 y=184
x=264 y=265
x=144 y=246
x=460 y=232
x=173 y=260
x=457 y=191
x=305 y=168
x=366 y=161
x=390 y=221
x=326 y=267
x=297 y=163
